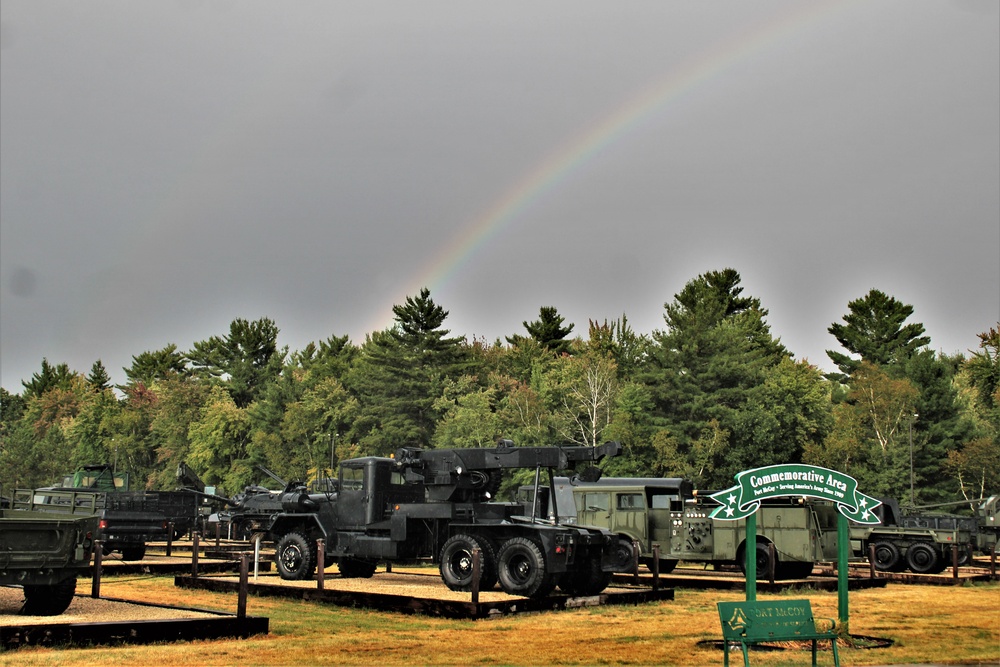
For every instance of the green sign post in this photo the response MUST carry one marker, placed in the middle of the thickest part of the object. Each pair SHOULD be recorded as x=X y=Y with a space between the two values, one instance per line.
x=796 y=480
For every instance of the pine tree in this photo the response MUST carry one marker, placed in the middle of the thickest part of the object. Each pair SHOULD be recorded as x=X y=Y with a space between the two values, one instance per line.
x=874 y=329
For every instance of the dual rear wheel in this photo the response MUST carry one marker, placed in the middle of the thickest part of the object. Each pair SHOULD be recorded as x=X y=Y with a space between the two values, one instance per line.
x=519 y=566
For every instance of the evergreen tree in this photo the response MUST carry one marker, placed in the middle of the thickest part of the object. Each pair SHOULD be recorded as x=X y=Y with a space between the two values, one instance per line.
x=246 y=360
x=975 y=464
x=50 y=377
x=707 y=371
x=399 y=374
x=548 y=331
x=148 y=367
x=874 y=329
x=99 y=378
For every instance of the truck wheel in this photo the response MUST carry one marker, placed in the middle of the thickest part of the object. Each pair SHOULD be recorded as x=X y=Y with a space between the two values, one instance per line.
x=48 y=600
x=887 y=557
x=456 y=563
x=763 y=560
x=295 y=557
x=521 y=569
x=356 y=568
x=921 y=558
x=133 y=551
x=589 y=581
x=624 y=555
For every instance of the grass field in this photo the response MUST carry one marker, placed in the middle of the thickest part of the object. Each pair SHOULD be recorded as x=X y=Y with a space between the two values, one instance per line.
x=927 y=624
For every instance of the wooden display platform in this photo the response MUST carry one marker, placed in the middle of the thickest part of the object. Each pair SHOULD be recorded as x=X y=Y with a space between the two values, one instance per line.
x=91 y=621
x=417 y=593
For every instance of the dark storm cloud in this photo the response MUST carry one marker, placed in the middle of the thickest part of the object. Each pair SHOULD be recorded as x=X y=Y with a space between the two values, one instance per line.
x=168 y=167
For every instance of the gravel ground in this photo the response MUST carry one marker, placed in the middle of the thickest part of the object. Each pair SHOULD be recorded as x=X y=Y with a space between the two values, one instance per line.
x=85 y=609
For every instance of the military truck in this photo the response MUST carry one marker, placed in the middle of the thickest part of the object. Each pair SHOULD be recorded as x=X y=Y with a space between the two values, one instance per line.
x=922 y=541
x=44 y=551
x=440 y=505
x=670 y=513
x=128 y=519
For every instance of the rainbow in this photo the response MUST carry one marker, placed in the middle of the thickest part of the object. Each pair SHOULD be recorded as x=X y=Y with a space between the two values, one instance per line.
x=563 y=163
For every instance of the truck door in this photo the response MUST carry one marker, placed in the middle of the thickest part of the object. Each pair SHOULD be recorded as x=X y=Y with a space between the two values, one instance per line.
x=352 y=502
x=630 y=516
x=594 y=509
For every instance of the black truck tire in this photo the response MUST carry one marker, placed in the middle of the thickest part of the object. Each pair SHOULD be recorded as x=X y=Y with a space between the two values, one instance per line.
x=887 y=557
x=133 y=551
x=48 y=600
x=763 y=560
x=922 y=558
x=522 y=570
x=456 y=563
x=356 y=568
x=586 y=582
x=624 y=555
x=295 y=557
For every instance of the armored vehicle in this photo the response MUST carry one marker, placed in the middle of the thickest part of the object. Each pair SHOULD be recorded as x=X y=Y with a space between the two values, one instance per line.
x=44 y=551
x=439 y=505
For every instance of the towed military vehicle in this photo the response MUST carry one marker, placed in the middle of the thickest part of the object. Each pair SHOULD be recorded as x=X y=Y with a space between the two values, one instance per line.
x=44 y=551
x=440 y=505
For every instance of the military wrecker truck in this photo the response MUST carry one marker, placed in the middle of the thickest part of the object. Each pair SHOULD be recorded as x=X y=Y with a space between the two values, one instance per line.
x=670 y=513
x=440 y=505
x=923 y=541
x=44 y=551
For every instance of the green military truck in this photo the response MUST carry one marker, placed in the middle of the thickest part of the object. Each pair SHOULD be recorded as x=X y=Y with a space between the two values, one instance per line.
x=128 y=519
x=669 y=513
x=43 y=551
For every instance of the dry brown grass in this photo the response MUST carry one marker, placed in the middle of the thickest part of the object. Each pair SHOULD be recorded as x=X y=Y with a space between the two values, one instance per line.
x=928 y=624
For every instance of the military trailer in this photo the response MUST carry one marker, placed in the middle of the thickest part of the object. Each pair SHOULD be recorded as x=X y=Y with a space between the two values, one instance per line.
x=44 y=552
x=669 y=513
x=439 y=505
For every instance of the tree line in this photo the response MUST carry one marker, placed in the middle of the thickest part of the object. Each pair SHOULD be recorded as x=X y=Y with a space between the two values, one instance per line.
x=712 y=393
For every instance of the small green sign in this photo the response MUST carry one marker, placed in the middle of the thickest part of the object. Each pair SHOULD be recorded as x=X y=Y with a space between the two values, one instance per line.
x=793 y=479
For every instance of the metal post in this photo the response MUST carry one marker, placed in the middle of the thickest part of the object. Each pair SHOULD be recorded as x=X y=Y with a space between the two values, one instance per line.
x=912 y=500
x=217 y=535
x=871 y=561
x=912 y=497
x=771 y=565
x=954 y=561
x=170 y=537
x=256 y=553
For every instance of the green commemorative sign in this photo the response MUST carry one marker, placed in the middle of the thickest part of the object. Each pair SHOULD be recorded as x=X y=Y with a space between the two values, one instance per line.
x=793 y=479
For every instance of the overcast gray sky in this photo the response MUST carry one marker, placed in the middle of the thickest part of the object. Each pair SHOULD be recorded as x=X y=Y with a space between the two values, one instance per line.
x=167 y=167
